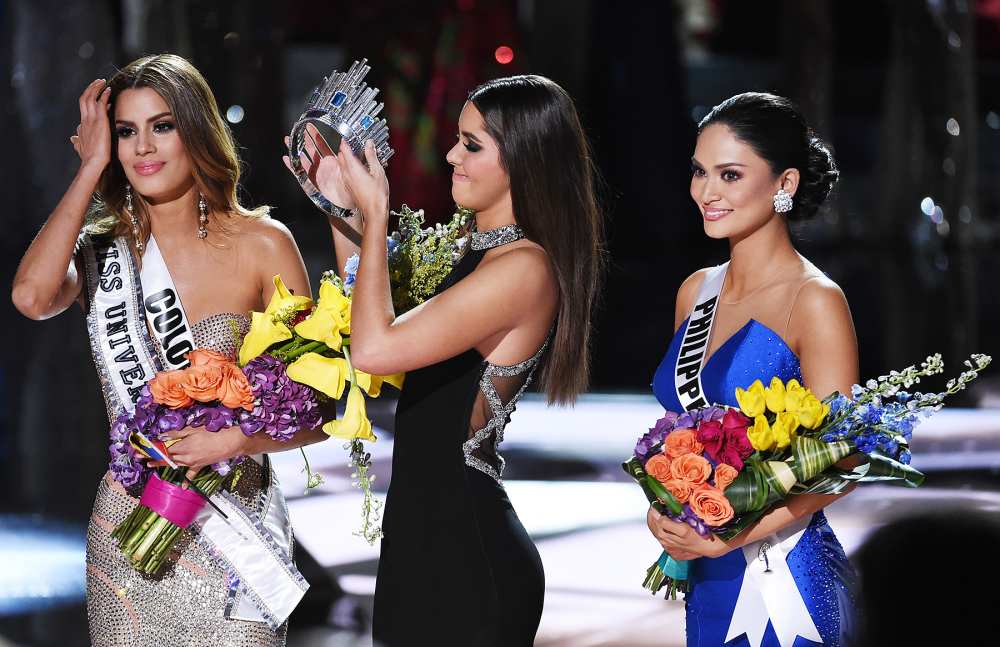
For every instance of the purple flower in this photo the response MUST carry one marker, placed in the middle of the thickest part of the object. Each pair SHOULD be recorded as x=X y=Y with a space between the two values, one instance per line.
x=282 y=406
x=212 y=417
x=170 y=420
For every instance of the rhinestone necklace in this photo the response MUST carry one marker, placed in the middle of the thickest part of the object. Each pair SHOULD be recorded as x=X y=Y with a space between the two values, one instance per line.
x=481 y=240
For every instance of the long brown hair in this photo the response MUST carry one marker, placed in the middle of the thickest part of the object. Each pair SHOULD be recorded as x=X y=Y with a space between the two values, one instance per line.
x=205 y=135
x=552 y=177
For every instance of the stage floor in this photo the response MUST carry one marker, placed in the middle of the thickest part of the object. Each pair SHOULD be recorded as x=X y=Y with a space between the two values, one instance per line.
x=565 y=481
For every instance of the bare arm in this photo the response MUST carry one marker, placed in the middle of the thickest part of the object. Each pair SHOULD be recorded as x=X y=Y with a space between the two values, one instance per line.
x=480 y=307
x=47 y=281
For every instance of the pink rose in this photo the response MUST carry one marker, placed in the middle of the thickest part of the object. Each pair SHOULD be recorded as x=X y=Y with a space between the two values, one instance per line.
x=734 y=419
x=710 y=435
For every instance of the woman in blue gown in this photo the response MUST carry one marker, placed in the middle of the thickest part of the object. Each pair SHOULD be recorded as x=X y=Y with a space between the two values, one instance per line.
x=756 y=167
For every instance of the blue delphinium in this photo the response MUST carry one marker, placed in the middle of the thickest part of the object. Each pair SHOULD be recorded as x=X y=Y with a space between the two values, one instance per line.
x=351 y=271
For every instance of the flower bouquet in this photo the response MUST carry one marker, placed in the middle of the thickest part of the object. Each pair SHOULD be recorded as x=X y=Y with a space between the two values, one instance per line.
x=214 y=393
x=312 y=342
x=720 y=469
x=420 y=257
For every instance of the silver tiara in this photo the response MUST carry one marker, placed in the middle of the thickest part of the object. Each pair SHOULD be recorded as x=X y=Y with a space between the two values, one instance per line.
x=347 y=105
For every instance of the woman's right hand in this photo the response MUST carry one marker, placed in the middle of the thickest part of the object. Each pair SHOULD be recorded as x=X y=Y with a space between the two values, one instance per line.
x=92 y=141
x=654 y=521
x=320 y=163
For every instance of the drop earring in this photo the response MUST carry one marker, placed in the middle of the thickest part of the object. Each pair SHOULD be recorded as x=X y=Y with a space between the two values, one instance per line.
x=132 y=218
x=202 y=216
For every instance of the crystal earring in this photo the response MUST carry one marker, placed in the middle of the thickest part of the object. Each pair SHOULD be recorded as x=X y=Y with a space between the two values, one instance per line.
x=132 y=218
x=782 y=201
x=202 y=216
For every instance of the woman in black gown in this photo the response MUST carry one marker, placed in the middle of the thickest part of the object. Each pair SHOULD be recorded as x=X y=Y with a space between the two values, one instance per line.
x=457 y=566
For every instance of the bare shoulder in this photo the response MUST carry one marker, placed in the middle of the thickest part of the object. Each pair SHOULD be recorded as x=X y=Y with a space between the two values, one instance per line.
x=688 y=291
x=528 y=263
x=266 y=235
x=820 y=297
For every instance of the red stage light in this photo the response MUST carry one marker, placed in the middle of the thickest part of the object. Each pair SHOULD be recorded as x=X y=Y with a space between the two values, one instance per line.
x=504 y=55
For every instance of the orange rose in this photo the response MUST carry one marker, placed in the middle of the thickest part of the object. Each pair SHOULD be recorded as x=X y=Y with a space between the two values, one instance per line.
x=681 y=442
x=680 y=488
x=203 y=383
x=724 y=475
x=167 y=388
x=206 y=357
x=659 y=468
x=235 y=390
x=711 y=505
x=692 y=468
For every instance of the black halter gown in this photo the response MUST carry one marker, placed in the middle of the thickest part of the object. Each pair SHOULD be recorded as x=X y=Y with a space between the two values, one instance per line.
x=457 y=567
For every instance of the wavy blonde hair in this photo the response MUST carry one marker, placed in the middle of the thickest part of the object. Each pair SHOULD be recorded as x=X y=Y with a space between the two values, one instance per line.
x=205 y=135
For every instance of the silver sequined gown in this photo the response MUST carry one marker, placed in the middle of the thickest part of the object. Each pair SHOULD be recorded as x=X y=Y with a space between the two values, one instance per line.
x=185 y=603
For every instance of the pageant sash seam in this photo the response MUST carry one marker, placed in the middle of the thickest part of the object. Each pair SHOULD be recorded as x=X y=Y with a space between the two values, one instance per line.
x=123 y=353
x=268 y=576
x=164 y=310
x=769 y=592
x=694 y=344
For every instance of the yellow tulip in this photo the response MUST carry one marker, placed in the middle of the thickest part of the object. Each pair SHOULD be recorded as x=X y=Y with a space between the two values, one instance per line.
x=355 y=423
x=811 y=412
x=751 y=401
x=283 y=302
x=329 y=320
x=784 y=428
x=760 y=436
x=774 y=395
x=264 y=331
x=326 y=374
x=795 y=393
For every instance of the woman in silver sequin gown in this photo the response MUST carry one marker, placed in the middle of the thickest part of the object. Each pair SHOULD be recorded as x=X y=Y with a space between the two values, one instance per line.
x=152 y=147
x=456 y=565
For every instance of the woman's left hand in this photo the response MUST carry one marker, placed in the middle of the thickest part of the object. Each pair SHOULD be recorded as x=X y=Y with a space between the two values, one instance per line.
x=368 y=185
x=198 y=447
x=681 y=540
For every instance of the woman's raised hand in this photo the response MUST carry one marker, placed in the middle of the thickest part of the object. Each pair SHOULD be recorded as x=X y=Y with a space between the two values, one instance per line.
x=368 y=184
x=92 y=140
x=320 y=162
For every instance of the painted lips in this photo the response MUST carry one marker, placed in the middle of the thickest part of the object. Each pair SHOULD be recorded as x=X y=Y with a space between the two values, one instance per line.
x=148 y=168
x=716 y=214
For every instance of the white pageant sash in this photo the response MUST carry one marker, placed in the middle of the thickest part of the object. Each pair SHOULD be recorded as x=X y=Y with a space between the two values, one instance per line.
x=123 y=352
x=694 y=344
x=164 y=310
x=769 y=592
x=258 y=551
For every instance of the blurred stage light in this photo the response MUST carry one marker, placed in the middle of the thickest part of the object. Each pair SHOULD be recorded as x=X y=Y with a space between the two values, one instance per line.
x=993 y=120
x=965 y=214
x=504 y=55
x=43 y=564
x=86 y=50
x=938 y=216
x=235 y=114
x=952 y=127
x=927 y=206
x=948 y=166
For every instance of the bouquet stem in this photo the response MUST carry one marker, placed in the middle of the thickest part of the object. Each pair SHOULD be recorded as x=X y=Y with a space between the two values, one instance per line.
x=145 y=537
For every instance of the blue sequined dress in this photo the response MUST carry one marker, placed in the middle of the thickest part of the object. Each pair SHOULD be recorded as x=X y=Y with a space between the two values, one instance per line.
x=817 y=562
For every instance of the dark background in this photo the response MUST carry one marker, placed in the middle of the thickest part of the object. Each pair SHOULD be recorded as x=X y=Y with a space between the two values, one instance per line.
x=879 y=80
